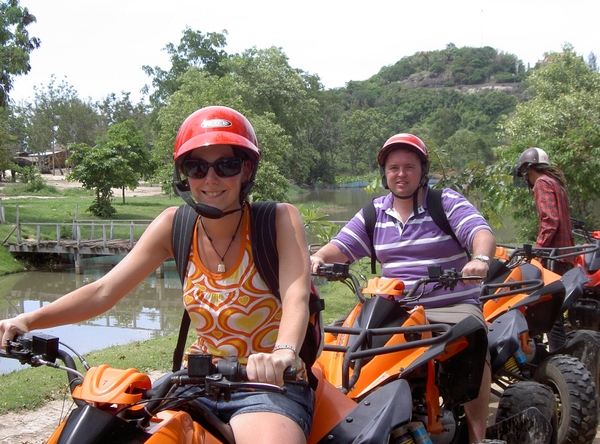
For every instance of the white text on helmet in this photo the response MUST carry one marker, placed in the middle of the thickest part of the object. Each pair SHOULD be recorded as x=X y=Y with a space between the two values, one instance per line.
x=215 y=123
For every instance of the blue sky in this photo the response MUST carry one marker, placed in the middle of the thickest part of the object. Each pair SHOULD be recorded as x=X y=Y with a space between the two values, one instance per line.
x=99 y=47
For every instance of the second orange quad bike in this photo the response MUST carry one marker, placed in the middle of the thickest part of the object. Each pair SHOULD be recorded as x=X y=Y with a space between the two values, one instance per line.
x=381 y=341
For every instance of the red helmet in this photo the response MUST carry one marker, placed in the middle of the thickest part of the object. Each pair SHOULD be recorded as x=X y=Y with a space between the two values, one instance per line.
x=408 y=141
x=216 y=125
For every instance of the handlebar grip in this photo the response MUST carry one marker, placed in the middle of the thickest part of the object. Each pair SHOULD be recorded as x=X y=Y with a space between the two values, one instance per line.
x=289 y=374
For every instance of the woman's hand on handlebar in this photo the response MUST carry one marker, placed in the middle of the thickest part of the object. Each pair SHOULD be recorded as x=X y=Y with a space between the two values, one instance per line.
x=269 y=367
x=9 y=328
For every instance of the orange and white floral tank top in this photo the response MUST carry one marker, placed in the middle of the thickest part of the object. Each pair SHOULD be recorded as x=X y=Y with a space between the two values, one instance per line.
x=234 y=313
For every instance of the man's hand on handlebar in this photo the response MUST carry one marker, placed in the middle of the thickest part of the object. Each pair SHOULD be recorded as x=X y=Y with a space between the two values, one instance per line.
x=475 y=268
x=315 y=263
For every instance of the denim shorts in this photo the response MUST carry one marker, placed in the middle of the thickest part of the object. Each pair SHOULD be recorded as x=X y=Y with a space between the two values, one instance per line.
x=297 y=404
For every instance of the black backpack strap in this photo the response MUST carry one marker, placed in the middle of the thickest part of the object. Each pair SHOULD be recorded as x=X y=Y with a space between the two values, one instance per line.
x=184 y=222
x=438 y=215
x=264 y=243
x=266 y=260
x=370 y=219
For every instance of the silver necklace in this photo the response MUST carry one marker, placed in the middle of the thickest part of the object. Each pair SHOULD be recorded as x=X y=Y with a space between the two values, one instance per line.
x=221 y=266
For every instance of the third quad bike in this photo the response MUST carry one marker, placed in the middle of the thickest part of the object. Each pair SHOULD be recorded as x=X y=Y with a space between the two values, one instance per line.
x=522 y=306
x=586 y=312
x=382 y=341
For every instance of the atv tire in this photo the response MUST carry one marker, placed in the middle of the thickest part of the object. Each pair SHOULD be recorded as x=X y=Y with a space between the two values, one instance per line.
x=520 y=396
x=575 y=392
x=584 y=345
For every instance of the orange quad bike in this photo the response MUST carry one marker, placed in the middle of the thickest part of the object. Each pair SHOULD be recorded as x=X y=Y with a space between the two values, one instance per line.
x=116 y=406
x=522 y=303
x=586 y=313
x=382 y=341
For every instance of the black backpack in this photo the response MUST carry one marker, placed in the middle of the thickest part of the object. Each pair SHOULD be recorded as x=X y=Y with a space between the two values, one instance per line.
x=435 y=209
x=266 y=259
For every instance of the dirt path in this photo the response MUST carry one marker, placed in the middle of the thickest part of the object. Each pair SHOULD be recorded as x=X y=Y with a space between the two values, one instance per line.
x=61 y=183
x=35 y=427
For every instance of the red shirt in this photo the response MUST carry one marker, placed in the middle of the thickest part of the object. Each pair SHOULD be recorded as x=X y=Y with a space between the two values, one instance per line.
x=552 y=205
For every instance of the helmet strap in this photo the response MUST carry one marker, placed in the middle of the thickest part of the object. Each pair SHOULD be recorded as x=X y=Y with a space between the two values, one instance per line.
x=525 y=175
x=182 y=187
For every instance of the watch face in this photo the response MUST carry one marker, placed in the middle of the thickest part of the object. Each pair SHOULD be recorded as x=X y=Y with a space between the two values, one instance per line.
x=483 y=258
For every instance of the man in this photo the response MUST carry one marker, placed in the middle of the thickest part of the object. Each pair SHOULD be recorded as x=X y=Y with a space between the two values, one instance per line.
x=407 y=241
x=548 y=183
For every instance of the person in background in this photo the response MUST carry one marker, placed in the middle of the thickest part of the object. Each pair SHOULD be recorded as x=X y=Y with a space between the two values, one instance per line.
x=406 y=241
x=217 y=151
x=548 y=185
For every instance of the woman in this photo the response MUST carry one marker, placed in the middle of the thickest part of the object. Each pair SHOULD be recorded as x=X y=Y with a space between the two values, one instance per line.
x=232 y=310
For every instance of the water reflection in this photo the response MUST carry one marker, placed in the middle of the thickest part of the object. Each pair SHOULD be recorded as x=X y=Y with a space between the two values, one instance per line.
x=152 y=309
x=342 y=203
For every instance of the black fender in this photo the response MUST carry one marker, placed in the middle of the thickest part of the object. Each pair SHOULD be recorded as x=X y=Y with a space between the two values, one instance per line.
x=541 y=312
x=458 y=386
x=503 y=337
x=89 y=425
x=574 y=281
x=374 y=417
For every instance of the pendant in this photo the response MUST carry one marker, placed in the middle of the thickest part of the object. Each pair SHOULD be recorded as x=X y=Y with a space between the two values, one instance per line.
x=221 y=268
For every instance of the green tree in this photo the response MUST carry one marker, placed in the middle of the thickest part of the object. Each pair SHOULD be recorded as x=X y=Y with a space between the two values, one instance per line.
x=363 y=134
x=200 y=89
x=561 y=118
x=7 y=140
x=267 y=84
x=118 y=161
x=126 y=141
x=58 y=117
x=194 y=50
x=279 y=100
x=16 y=45
x=464 y=147
x=98 y=169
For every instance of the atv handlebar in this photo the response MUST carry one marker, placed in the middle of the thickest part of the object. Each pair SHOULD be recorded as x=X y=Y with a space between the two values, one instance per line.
x=448 y=279
x=341 y=272
x=220 y=379
x=528 y=252
x=580 y=230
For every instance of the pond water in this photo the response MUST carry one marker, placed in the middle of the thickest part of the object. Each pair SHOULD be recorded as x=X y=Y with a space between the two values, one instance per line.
x=154 y=307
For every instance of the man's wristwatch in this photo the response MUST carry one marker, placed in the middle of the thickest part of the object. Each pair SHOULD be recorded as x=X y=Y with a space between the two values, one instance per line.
x=482 y=258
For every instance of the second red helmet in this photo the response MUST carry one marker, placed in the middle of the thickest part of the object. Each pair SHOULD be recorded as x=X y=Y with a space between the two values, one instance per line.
x=404 y=140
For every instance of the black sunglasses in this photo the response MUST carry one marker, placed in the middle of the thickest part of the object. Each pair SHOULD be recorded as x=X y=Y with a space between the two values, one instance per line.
x=198 y=168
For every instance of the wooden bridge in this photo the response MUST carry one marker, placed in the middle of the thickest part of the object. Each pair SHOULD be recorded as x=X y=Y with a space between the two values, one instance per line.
x=78 y=238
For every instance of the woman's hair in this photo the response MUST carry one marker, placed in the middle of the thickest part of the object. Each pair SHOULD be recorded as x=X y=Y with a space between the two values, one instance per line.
x=551 y=171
